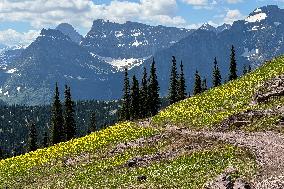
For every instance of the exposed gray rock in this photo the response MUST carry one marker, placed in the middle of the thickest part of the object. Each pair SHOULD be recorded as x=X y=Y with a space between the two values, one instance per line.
x=141 y=178
x=242 y=119
x=271 y=88
x=241 y=184
x=132 y=163
x=68 y=30
x=225 y=181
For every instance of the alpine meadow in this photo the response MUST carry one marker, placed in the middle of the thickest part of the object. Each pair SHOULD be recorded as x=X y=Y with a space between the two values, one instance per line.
x=173 y=94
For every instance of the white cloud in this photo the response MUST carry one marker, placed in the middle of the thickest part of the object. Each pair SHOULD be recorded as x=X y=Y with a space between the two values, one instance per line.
x=202 y=4
x=11 y=37
x=234 y=1
x=232 y=15
x=81 y=13
x=197 y=2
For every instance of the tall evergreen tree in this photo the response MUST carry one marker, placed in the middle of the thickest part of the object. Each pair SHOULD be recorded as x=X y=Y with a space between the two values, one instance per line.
x=32 y=138
x=245 y=71
x=233 y=65
x=144 y=98
x=2 y=156
x=173 y=90
x=69 y=120
x=197 y=84
x=125 y=110
x=135 y=99
x=57 y=121
x=217 y=78
x=181 y=84
x=154 y=98
x=204 y=85
x=249 y=69
x=93 y=123
x=46 y=141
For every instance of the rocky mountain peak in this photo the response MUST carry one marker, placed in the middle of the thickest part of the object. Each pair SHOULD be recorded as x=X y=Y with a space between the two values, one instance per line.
x=69 y=30
x=207 y=27
x=53 y=34
x=223 y=27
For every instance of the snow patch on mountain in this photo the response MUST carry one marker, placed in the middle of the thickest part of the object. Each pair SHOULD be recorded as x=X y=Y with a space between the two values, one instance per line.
x=81 y=78
x=121 y=63
x=118 y=34
x=250 y=53
x=6 y=93
x=207 y=27
x=74 y=77
x=11 y=71
x=254 y=28
x=136 y=34
x=136 y=43
x=257 y=10
x=256 y=18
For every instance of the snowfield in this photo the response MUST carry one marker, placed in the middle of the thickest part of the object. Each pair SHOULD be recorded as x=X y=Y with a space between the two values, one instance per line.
x=256 y=18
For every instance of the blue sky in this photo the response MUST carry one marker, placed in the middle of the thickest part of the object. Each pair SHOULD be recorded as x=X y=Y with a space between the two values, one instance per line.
x=21 y=20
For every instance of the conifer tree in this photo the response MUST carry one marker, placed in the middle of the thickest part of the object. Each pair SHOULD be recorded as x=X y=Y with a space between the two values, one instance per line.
x=57 y=121
x=154 y=98
x=69 y=120
x=1 y=153
x=32 y=138
x=173 y=90
x=197 y=84
x=144 y=102
x=233 y=65
x=245 y=71
x=46 y=141
x=249 y=69
x=204 y=85
x=181 y=84
x=135 y=99
x=217 y=78
x=125 y=110
x=93 y=123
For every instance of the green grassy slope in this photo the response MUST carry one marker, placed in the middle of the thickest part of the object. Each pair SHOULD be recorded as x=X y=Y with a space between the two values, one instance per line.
x=91 y=162
x=213 y=106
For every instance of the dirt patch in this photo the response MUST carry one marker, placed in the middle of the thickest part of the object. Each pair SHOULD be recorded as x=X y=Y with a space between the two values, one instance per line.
x=121 y=147
x=176 y=143
x=73 y=161
x=268 y=148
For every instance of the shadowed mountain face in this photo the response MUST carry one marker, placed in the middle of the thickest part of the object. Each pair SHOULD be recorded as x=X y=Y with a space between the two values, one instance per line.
x=54 y=57
x=93 y=66
x=58 y=56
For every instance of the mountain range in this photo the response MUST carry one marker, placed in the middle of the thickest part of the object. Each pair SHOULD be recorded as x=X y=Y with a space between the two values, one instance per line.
x=93 y=65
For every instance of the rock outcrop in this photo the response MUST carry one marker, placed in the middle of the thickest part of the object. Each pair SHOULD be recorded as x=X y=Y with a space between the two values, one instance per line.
x=271 y=88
